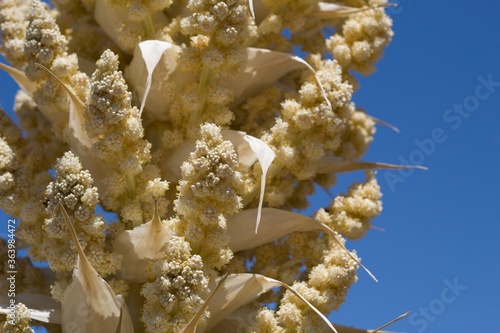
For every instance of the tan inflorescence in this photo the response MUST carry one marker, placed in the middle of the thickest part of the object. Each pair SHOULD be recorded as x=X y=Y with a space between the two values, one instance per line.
x=216 y=117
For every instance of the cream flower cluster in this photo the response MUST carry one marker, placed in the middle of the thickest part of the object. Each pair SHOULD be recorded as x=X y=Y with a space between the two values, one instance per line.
x=198 y=130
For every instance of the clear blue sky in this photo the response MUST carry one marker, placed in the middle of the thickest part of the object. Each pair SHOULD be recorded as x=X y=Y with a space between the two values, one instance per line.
x=444 y=223
x=438 y=256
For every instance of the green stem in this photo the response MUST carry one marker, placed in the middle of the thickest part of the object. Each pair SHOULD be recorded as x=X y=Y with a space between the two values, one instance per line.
x=131 y=188
x=195 y=247
x=298 y=140
x=148 y=26
x=206 y=74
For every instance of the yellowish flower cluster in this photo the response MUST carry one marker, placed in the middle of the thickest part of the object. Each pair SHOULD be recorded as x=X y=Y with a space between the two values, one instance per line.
x=45 y=45
x=24 y=177
x=216 y=31
x=208 y=193
x=20 y=323
x=13 y=18
x=351 y=214
x=362 y=39
x=177 y=288
x=195 y=124
x=73 y=188
x=116 y=134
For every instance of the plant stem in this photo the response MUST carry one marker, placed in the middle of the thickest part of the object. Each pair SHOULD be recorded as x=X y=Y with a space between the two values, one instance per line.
x=131 y=188
x=148 y=26
x=206 y=74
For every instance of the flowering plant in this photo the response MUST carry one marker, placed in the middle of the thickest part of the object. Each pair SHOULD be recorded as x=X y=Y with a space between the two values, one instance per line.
x=197 y=125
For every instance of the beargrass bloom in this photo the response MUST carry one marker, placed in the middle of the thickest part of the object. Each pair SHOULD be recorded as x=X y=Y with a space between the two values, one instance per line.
x=198 y=126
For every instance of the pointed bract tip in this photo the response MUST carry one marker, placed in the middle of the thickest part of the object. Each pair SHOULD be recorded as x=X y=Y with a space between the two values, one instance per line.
x=385 y=124
x=392 y=321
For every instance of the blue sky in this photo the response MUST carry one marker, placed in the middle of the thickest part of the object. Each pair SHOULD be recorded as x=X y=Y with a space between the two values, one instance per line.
x=442 y=224
x=436 y=257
